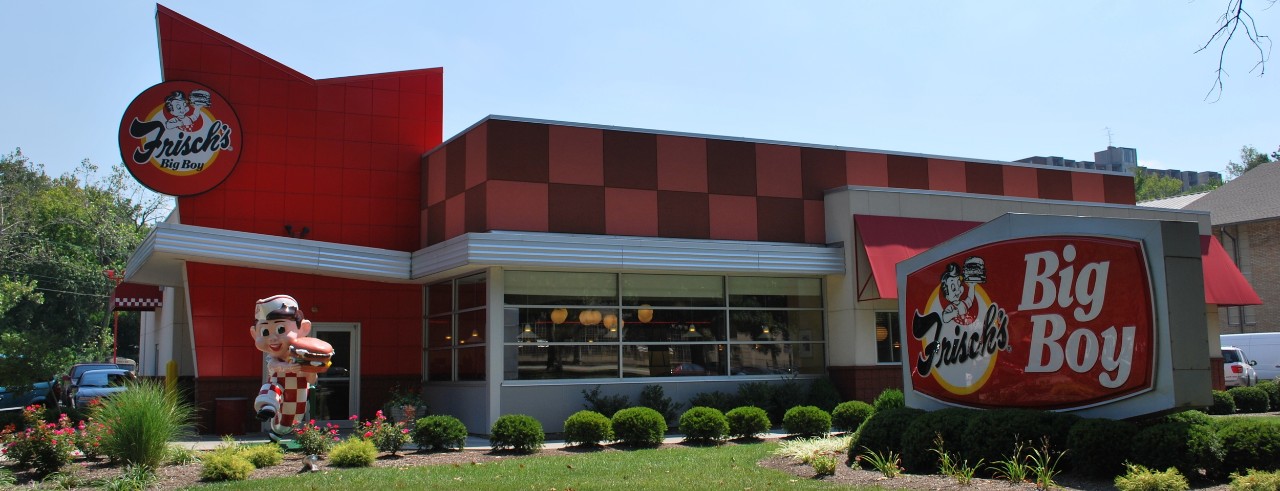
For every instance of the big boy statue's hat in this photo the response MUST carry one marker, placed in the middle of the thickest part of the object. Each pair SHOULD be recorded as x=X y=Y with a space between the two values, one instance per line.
x=277 y=307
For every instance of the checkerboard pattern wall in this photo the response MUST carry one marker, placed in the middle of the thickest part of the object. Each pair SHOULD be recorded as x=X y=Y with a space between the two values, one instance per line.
x=507 y=174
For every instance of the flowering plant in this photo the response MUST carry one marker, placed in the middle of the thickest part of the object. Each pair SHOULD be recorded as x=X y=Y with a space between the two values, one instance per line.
x=315 y=440
x=404 y=396
x=385 y=435
x=89 y=435
x=45 y=447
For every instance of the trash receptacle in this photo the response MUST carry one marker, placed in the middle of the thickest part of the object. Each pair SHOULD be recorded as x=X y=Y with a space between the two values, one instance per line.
x=229 y=415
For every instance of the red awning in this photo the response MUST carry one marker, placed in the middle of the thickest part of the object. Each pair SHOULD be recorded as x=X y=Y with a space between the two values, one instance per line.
x=888 y=241
x=891 y=240
x=1223 y=283
x=132 y=296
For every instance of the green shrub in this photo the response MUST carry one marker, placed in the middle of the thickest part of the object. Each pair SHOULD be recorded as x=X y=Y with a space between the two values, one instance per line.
x=1250 y=444
x=1094 y=448
x=606 y=405
x=720 y=400
x=747 y=422
x=1249 y=399
x=439 y=432
x=824 y=464
x=1185 y=446
x=850 y=414
x=1223 y=403
x=263 y=455
x=1273 y=393
x=1190 y=416
x=651 y=396
x=787 y=395
x=823 y=394
x=806 y=421
x=353 y=452
x=1139 y=478
x=882 y=432
x=587 y=428
x=225 y=466
x=992 y=435
x=889 y=399
x=1251 y=481
x=42 y=447
x=918 y=440
x=519 y=432
x=143 y=420
x=704 y=424
x=760 y=394
x=179 y=455
x=639 y=426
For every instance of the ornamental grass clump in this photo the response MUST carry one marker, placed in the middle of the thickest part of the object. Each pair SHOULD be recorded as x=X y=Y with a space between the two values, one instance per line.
x=639 y=427
x=439 y=432
x=1252 y=480
x=519 y=432
x=142 y=420
x=748 y=422
x=353 y=452
x=1139 y=478
x=704 y=424
x=263 y=455
x=587 y=428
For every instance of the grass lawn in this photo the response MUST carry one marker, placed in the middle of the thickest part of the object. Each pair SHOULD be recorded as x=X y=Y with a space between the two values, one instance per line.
x=723 y=467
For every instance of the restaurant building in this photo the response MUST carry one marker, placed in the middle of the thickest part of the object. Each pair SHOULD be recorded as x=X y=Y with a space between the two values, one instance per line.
x=522 y=261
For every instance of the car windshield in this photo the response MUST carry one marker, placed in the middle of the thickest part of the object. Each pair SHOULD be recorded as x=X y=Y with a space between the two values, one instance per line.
x=1232 y=356
x=94 y=379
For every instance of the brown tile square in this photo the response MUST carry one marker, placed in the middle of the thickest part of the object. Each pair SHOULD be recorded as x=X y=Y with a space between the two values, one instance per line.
x=866 y=169
x=682 y=164
x=576 y=155
x=947 y=175
x=517 y=151
x=455 y=173
x=477 y=155
x=631 y=212
x=476 y=200
x=908 y=172
x=1087 y=186
x=733 y=217
x=575 y=209
x=781 y=219
x=821 y=169
x=435 y=223
x=984 y=178
x=683 y=215
x=1054 y=184
x=778 y=171
x=630 y=160
x=731 y=167
x=1118 y=189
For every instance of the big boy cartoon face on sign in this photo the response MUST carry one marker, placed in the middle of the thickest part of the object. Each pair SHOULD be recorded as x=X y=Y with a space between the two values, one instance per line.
x=1060 y=322
x=180 y=138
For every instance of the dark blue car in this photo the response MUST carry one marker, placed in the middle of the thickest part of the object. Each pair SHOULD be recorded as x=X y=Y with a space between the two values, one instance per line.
x=11 y=400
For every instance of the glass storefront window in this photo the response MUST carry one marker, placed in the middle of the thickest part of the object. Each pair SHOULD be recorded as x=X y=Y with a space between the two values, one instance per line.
x=534 y=288
x=672 y=325
x=776 y=325
x=471 y=364
x=674 y=360
x=546 y=361
x=887 y=343
x=802 y=293
x=660 y=290
x=457 y=329
x=774 y=359
x=440 y=365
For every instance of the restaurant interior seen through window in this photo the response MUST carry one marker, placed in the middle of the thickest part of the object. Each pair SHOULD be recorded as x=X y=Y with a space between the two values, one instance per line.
x=456 y=334
x=568 y=325
x=887 y=343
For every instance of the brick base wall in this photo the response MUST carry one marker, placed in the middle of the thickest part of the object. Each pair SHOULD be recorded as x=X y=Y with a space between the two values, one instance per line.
x=864 y=383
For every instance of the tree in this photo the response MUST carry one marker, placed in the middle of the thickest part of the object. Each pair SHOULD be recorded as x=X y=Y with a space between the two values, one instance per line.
x=1236 y=17
x=1249 y=158
x=1148 y=186
x=57 y=235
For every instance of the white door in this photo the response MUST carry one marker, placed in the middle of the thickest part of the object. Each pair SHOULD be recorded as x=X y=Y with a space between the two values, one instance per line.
x=337 y=393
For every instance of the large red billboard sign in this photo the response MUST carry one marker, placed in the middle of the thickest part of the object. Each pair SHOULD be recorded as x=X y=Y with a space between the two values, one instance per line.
x=180 y=138
x=1058 y=322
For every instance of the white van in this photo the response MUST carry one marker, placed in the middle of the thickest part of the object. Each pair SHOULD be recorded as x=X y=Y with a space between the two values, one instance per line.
x=1263 y=347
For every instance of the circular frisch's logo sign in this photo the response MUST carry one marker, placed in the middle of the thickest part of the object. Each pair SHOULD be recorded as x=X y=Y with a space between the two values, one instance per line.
x=180 y=138
x=1061 y=322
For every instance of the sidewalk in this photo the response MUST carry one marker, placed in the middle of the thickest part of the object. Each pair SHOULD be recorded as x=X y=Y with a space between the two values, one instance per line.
x=474 y=442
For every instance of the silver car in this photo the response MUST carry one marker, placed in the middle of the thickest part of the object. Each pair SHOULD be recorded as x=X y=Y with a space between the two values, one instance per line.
x=1237 y=369
x=99 y=384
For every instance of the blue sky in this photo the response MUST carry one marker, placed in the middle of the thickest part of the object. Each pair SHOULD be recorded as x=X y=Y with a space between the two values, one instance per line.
x=997 y=80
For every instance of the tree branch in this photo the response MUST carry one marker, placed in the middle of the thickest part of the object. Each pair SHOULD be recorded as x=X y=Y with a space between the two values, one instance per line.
x=1232 y=20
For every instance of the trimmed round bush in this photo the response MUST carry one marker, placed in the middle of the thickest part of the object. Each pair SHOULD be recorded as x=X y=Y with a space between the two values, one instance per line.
x=225 y=466
x=848 y=415
x=806 y=421
x=1094 y=451
x=889 y=399
x=519 y=432
x=1250 y=444
x=1273 y=393
x=1190 y=416
x=1249 y=399
x=587 y=428
x=704 y=424
x=994 y=435
x=748 y=422
x=1185 y=446
x=639 y=426
x=353 y=452
x=918 y=441
x=1223 y=403
x=882 y=432
x=439 y=432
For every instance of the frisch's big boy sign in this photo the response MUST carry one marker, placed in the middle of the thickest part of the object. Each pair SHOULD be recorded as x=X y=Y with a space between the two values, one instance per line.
x=1046 y=322
x=180 y=138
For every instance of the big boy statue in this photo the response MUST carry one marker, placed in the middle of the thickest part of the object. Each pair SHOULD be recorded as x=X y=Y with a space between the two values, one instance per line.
x=293 y=361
